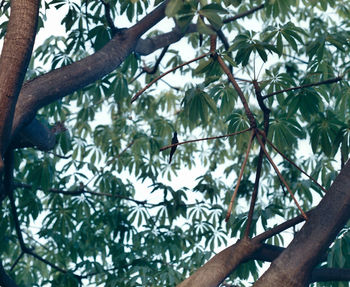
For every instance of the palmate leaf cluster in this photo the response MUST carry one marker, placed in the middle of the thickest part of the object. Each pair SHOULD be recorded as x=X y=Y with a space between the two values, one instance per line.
x=135 y=222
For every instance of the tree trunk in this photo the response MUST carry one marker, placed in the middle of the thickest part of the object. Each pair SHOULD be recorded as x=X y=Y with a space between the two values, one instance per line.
x=294 y=266
x=14 y=60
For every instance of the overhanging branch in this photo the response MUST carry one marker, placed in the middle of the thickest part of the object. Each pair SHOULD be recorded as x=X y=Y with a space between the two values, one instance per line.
x=59 y=83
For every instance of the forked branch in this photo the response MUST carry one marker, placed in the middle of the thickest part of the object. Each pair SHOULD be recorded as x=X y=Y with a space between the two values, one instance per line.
x=229 y=210
x=294 y=164
x=280 y=176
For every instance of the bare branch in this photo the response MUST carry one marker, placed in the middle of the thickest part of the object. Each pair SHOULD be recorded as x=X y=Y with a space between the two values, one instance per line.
x=14 y=60
x=156 y=65
x=134 y=98
x=266 y=112
x=323 y=274
x=55 y=84
x=109 y=17
x=149 y=45
x=239 y=91
x=222 y=264
x=292 y=163
x=244 y=14
x=329 y=81
x=204 y=139
x=229 y=210
x=280 y=176
x=281 y=227
x=81 y=190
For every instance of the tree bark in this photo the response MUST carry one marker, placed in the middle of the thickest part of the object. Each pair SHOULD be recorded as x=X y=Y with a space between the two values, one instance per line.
x=294 y=266
x=221 y=265
x=61 y=82
x=14 y=60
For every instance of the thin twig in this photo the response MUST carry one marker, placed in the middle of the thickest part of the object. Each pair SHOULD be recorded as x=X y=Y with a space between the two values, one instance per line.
x=108 y=17
x=204 y=139
x=9 y=187
x=47 y=262
x=80 y=190
x=296 y=58
x=254 y=194
x=229 y=210
x=280 y=176
x=16 y=261
x=266 y=111
x=134 y=98
x=60 y=156
x=121 y=153
x=244 y=14
x=8 y=182
x=212 y=44
x=330 y=81
x=292 y=163
x=239 y=91
x=242 y=80
x=156 y=65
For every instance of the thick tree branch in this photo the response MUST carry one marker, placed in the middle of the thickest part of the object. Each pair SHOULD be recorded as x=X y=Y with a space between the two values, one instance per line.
x=5 y=280
x=58 y=83
x=221 y=265
x=109 y=17
x=37 y=135
x=14 y=60
x=149 y=45
x=330 y=274
x=294 y=266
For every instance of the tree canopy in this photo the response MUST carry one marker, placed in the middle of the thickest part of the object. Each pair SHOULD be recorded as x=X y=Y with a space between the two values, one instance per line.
x=260 y=101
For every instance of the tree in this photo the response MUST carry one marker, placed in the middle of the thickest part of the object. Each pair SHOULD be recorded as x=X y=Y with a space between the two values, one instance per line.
x=62 y=168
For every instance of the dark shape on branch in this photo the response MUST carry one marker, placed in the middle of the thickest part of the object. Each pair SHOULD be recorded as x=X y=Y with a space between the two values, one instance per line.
x=173 y=149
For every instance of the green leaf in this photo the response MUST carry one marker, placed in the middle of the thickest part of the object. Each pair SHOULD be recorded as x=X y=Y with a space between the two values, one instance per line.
x=173 y=7
x=279 y=44
x=203 y=28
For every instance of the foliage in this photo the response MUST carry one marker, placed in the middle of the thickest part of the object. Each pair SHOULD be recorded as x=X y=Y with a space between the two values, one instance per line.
x=106 y=205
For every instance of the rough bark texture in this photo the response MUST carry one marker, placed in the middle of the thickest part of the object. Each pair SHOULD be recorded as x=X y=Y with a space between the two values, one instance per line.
x=14 y=60
x=221 y=265
x=294 y=266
